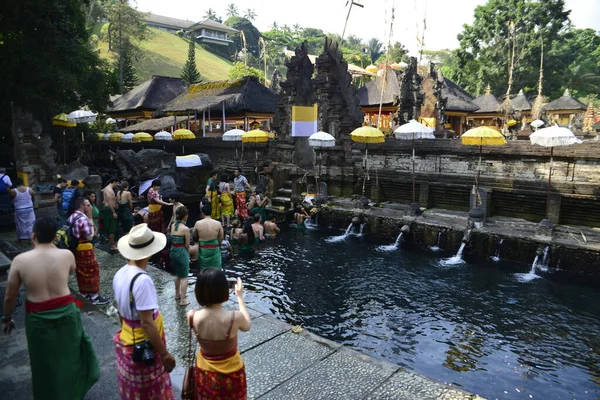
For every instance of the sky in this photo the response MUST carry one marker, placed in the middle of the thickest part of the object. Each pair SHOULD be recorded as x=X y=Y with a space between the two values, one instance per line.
x=445 y=18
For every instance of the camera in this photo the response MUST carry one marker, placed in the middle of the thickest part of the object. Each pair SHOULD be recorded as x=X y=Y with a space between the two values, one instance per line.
x=143 y=353
x=231 y=283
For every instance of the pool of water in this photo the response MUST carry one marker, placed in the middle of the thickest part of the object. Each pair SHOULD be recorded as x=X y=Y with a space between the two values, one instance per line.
x=477 y=325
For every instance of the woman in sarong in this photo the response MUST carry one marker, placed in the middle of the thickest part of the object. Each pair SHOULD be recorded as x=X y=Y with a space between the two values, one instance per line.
x=179 y=254
x=156 y=221
x=219 y=371
x=22 y=198
x=141 y=374
x=226 y=201
x=125 y=202
x=257 y=205
x=95 y=213
x=212 y=193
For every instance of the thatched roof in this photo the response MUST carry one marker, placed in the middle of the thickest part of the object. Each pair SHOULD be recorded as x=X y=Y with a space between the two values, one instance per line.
x=154 y=125
x=487 y=103
x=241 y=95
x=520 y=102
x=370 y=93
x=458 y=98
x=566 y=102
x=149 y=95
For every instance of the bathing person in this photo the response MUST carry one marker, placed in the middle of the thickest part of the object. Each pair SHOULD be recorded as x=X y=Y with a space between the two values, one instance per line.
x=174 y=199
x=63 y=361
x=236 y=231
x=226 y=201
x=271 y=229
x=109 y=212
x=226 y=249
x=219 y=371
x=142 y=213
x=179 y=254
x=125 y=201
x=22 y=197
x=94 y=213
x=143 y=369
x=156 y=221
x=212 y=194
x=247 y=240
x=209 y=234
x=258 y=229
x=301 y=216
x=257 y=204
x=240 y=184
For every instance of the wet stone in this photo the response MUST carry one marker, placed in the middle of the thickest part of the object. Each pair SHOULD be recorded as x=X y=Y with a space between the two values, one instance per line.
x=264 y=328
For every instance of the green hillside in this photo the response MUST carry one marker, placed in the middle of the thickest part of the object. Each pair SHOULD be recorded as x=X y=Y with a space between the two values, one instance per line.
x=165 y=54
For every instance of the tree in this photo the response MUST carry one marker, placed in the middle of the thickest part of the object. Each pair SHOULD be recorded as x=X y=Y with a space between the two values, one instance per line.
x=251 y=33
x=250 y=14
x=232 y=10
x=129 y=77
x=190 y=73
x=274 y=26
x=374 y=49
x=397 y=53
x=210 y=14
x=239 y=70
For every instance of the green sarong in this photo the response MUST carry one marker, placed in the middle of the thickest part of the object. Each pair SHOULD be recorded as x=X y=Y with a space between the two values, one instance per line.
x=125 y=217
x=180 y=257
x=261 y=211
x=63 y=362
x=109 y=224
x=210 y=254
x=301 y=227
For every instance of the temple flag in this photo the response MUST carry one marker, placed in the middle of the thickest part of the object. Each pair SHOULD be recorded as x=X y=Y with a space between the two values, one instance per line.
x=304 y=120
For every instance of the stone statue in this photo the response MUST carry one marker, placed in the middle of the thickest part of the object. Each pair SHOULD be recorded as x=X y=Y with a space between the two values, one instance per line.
x=276 y=82
x=411 y=95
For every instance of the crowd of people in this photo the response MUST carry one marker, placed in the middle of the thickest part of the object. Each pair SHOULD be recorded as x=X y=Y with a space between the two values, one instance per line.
x=227 y=223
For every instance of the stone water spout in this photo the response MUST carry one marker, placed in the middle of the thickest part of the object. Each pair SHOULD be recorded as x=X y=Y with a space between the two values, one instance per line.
x=405 y=229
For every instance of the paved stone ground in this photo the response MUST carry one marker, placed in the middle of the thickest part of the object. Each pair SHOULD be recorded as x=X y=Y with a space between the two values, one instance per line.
x=279 y=364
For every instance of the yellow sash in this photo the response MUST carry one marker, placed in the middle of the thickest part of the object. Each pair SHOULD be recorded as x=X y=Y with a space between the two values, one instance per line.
x=226 y=366
x=85 y=246
x=152 y=208
x=127 y=332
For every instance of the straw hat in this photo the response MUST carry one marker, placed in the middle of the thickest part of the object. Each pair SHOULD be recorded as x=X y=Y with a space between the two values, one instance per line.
x=141 y=243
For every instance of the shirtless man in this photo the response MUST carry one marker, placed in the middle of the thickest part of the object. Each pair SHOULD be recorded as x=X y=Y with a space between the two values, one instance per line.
x=258 y=229
x=209 y=235
x=53 y=326
x=271 y=229
x=109 y=212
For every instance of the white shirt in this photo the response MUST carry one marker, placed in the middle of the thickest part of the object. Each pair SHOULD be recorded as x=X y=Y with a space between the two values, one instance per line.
x=144 y=292
x=6 y=179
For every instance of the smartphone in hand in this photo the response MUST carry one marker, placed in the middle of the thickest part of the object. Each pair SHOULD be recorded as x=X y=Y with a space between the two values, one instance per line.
x=231 y=283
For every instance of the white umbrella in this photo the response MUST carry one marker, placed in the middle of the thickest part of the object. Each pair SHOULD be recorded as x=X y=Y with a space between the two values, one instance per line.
x=106 y=136
x=552 y=136
x=127 y=138
x=234 y=135
x=163 y=135
x=111 y=121
x=81 y=116
x=321 y=139
x=411 y=131
x=537 y=123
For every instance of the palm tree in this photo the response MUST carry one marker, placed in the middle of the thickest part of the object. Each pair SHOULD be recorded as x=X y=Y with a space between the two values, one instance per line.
x=297 y=28
x=250 y=14
x=275 y=26
x=232 y=10
x=210 y=14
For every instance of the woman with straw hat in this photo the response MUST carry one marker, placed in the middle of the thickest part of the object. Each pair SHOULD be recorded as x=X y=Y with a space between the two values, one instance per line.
x=143 y=362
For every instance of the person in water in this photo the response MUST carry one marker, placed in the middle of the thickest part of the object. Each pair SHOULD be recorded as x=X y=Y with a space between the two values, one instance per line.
x=179 y=254
x=301 y=216
x=258 y=229
x=236 y=231
x=226 y=249
x=271 y=229
x=209 y=234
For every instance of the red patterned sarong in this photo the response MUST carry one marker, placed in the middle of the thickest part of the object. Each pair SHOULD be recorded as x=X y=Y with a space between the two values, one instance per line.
x=220 y=377
x=138 y=381
x=240 y=204
x=87 y=270
x=156 y=222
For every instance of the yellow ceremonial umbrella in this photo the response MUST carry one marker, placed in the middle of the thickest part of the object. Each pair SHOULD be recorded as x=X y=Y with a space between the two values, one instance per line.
x=142 y=137
x=99 y=134
x=180 y=134
x=511 y=122
x=366 y=135
x=255 y=136
x=482 y=136
x=115 y=137
x=63 y=120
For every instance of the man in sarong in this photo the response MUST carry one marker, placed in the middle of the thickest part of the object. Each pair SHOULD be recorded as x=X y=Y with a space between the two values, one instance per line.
x=209 y=235
x=212 y=194
x=63 y=361
x=88 y=270
x=240 y=184
x=110 y=222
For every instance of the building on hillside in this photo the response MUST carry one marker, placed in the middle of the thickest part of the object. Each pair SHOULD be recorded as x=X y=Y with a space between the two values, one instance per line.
x=489 y=112
x=213 y=32
x=215 y=107
x=370 y=96
x=564 y=110
x=167 y=24
x=147 y=97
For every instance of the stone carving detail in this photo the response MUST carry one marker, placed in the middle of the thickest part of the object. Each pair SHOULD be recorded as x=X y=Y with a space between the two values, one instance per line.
x=440 y=101
x=411 y=95
x=145 y=164
x=276 y=82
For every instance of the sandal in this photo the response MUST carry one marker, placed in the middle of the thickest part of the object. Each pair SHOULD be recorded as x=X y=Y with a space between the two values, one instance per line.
x=184 y=302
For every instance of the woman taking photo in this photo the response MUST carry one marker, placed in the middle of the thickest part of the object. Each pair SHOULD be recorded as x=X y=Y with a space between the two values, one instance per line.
x=219 y=370
x=143 y=362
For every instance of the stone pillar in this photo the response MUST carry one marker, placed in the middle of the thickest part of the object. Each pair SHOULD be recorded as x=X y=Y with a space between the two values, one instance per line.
x=554 y=209
x=486 y=201
x=376 y=193
x=424 y=194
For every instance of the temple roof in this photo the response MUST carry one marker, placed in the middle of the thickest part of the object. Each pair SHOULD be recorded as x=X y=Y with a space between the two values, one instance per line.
x=154 y=125
x=370 y=93
x=520 y=102
x=487 y=103
x=458 y=98
x=149 y=95
x=241 y=95
x=566 y=102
